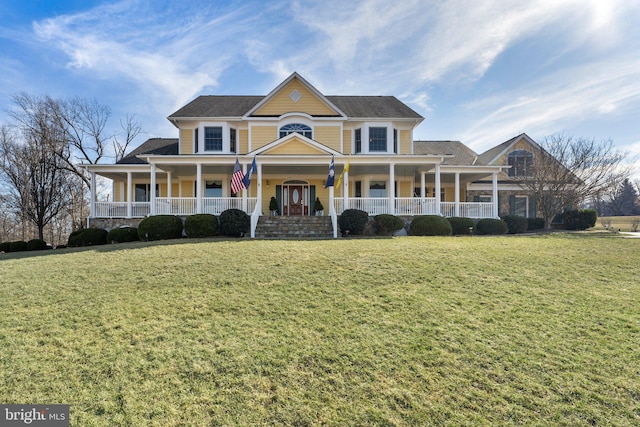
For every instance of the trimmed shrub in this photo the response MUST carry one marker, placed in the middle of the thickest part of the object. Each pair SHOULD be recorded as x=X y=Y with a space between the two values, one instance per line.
x=234 y=223
x=353 y=221
x=18 y=246
x=123 y=234
x=516 y=224
x=535 y=223
x=491 y=226
x=430 y=225
x=87 y=237
x=461 y=225
x=201 y=225
x=4 y=246
x=387 y=224
x=579 y=219
x=36 y=245
x=160 y=227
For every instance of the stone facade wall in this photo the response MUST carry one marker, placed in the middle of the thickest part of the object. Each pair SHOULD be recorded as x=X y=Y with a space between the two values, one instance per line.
x=111 y=223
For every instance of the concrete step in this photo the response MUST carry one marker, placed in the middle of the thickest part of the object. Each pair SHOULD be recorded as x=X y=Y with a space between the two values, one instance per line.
x=294 y=227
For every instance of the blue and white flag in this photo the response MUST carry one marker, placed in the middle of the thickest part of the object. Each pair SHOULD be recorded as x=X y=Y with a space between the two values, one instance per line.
x=247 y=178
x=332 y=174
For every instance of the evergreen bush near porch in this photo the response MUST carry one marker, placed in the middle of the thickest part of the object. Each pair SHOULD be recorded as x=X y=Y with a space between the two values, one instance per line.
x=234 y=223
x=387 y=224
x=36 y=245
x=516 y=224
x=535 y=223
x=430 y=225
x=123 y=234
x=461 y=225
x=87 y=237
x=160 y=227
x=491 y=226
x=353 y=221
x=201 y=225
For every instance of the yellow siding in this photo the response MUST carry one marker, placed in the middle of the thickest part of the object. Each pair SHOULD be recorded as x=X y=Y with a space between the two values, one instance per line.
x=243 y=134
x=262 y=135
x=346 y=141
x=281 y=103
x=294 y=146
x=321 y=192
x=186 y=141
x=405 y=142
x=404 y=187
x=187 y=189
x=116 y=191
x=328 y=135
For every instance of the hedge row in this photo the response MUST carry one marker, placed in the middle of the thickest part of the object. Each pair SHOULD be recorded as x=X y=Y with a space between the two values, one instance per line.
x=22 y=246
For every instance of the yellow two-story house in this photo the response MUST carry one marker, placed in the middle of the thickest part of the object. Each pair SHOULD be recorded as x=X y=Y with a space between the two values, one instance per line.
x=293 y=134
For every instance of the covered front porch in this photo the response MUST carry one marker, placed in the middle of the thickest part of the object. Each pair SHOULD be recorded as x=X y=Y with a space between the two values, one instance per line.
x=399 y=185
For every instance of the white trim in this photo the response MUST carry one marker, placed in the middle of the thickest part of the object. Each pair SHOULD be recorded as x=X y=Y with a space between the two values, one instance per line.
x=304 y=139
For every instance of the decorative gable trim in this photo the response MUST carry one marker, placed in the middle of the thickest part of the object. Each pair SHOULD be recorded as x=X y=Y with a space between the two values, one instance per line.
x=284 y=84
x=321 y=148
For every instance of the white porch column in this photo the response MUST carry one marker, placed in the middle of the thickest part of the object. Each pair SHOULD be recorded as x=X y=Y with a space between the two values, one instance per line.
x=345 y=190
x=494 y=197
x=423 y=184
x=129 y=194
x=152 y=210
x=198 y=187
x=457 y=195
x=92 y=203
x=392 y=188
x=437 y=190
x=169 y=189
x=259 y=190
x=332 y=213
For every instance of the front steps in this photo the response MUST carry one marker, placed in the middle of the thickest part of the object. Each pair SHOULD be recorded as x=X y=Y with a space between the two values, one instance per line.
x=294 y=227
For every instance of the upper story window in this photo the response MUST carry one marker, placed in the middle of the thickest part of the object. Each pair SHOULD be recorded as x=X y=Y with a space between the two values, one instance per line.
x=213 y=138
x=303 y=130
x=378 y=139
x=232 y=140
x=521 y=162
x=395 y=141
x=357 y=137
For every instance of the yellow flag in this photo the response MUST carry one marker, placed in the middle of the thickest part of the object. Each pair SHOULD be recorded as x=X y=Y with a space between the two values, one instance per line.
x=345 y=170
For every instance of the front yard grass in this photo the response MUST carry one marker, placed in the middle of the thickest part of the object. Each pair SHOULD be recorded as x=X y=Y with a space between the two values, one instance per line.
x=519 y=330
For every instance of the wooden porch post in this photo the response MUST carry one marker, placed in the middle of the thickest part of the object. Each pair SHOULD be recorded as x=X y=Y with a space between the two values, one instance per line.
x=129 y=194
x=437 y=190
x=494 y=196
x=92 y=203
x=198 y=187
x=457 y=195
x=345 y=190
x=169 y=190
x=152 y=198
x=392 y=188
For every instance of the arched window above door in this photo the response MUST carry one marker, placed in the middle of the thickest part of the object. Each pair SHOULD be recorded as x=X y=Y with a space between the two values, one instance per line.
x=300 y=128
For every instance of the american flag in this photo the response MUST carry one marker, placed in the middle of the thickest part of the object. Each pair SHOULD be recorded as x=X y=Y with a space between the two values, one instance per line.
x=236 y=178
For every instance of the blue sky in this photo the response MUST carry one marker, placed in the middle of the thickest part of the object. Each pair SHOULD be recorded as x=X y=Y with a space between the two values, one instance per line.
x=479 y=71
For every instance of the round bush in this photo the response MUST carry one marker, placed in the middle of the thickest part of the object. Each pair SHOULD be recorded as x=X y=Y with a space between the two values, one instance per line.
x=93 y=237
x=353 y=221
x=123 y=234
x=19 y=246
x=461 y=225
x=430 y=225
x=160 y=227
x=386 y=224
x=4 y=246
x=491 y=226
x=36 y=245
x=201 y=225
x=516 y=224
x=589 y=216
x=234 y=223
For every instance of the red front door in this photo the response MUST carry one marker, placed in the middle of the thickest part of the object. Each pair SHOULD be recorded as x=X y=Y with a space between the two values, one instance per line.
x=296 y=200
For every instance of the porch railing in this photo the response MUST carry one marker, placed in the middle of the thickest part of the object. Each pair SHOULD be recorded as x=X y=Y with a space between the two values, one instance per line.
x=181 y=206
x=119 y=209
x=382 y=205
x=467 y=209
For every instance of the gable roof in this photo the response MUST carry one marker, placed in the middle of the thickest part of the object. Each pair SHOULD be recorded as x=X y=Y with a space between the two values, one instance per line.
x=462 y=155
x=217 y=106
x=492 y=154
x=374 y=107
x=314 y=146
x=162 y=146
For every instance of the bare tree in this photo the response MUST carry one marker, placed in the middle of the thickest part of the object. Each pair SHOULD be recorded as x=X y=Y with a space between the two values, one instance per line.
x=35 y=180
x=130 y=131
x=568 y=171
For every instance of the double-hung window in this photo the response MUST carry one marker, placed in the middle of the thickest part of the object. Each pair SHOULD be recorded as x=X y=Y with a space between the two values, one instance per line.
x=521 y=162
x=357 y=137
x=232 y=140
x=213 y=138
x=377 y=139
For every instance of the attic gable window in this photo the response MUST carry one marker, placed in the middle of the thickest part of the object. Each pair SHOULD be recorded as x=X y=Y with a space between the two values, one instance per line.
x=521 y=162
x=303 y=130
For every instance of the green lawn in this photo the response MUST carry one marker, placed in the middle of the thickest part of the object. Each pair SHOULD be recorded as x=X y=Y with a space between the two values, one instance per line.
x=622 y=223
x=533 y=330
